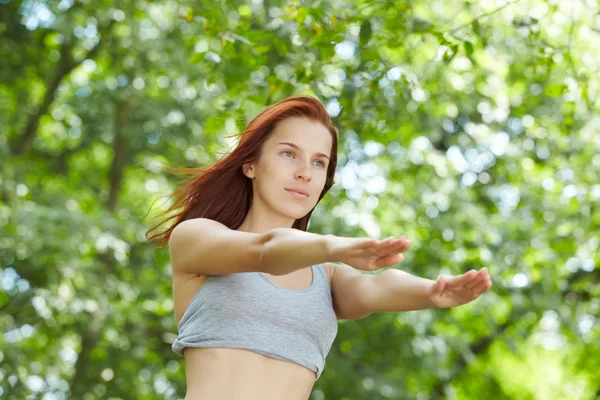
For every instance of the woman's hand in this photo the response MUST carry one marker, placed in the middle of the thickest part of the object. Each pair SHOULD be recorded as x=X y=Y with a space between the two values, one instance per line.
x=368 y=254
x=452 y=291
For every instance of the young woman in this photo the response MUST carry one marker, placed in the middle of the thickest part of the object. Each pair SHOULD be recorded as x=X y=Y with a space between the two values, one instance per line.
x=257 y=298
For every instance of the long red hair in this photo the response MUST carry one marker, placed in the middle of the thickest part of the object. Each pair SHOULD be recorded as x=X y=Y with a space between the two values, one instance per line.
x=222 y=192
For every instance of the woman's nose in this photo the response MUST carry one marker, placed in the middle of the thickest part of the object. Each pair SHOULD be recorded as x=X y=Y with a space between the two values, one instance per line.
x=303 y=172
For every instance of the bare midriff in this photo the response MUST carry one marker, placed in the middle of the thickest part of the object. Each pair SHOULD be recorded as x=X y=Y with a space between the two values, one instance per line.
x=240 y=374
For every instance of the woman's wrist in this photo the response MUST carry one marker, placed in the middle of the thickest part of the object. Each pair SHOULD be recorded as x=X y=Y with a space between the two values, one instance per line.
x=332 y=245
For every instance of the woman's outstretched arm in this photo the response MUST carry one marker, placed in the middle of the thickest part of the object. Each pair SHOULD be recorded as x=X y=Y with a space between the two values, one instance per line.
x=396 y=290
x=287 y=249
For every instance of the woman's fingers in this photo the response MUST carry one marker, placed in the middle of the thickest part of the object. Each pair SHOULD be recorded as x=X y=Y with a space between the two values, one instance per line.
x=394 y=246
x=483 y=286
x=480 y=276
x=376 y=245
x=463 y=280
x=388 y=246
x=399 y=245
x=387 y=261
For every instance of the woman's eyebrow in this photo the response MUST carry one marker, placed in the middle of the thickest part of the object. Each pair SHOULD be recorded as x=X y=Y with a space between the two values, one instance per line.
x=299 y=149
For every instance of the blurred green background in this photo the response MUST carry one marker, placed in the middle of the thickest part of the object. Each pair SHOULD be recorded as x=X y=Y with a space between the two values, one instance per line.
x=471 y=127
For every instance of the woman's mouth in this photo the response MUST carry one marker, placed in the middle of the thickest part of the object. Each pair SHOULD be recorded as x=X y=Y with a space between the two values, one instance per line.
x=299 y=196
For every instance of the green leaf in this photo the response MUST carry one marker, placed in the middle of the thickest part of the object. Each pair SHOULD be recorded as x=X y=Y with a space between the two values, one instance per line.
x=556 y=89
x=245 y=11
x=440 y=37
x=420 y=25
x=451 y=53
x=301 y=16
x=468 y=48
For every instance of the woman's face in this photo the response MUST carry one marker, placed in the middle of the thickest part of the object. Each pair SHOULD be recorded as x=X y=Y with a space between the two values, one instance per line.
x=295 y=156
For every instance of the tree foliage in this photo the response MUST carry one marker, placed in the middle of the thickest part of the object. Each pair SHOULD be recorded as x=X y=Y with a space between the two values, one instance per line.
x=470 y=127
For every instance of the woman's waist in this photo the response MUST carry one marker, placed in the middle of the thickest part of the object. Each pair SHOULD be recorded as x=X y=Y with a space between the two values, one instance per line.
x=240 y=373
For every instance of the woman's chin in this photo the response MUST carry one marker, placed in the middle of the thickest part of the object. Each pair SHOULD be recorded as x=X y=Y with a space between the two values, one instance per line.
x=297 y=214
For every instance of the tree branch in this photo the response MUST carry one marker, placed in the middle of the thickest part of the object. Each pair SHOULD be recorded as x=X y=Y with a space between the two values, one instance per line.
x=120 y=155
x=80 y=382
x=63 y=68
x=483 y=15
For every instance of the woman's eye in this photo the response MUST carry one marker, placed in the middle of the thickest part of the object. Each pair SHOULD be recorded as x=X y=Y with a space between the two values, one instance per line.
x=292 y=153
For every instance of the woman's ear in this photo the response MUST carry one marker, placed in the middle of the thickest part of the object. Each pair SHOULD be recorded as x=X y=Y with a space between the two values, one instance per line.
x=248 y=170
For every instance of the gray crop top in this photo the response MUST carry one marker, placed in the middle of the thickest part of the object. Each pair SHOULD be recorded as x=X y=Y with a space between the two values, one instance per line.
x=247 y=310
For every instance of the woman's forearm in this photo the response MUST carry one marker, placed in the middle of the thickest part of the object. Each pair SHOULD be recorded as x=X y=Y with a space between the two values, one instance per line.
x=287 y=250
x=396 y=290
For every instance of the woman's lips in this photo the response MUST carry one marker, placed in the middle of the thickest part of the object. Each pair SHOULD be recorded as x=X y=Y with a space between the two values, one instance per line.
x=297 y=195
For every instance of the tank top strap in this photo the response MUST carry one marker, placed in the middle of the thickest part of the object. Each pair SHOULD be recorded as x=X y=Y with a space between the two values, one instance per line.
x=322 y=277
x=321 y=273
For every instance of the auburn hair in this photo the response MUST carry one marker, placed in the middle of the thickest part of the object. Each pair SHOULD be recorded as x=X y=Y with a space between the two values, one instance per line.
x=222 y=192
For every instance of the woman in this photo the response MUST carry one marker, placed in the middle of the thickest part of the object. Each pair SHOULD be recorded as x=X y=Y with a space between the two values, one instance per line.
x=257 y=298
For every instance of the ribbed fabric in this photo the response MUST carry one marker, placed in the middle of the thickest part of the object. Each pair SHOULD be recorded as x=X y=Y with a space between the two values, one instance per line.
x=246 y=310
